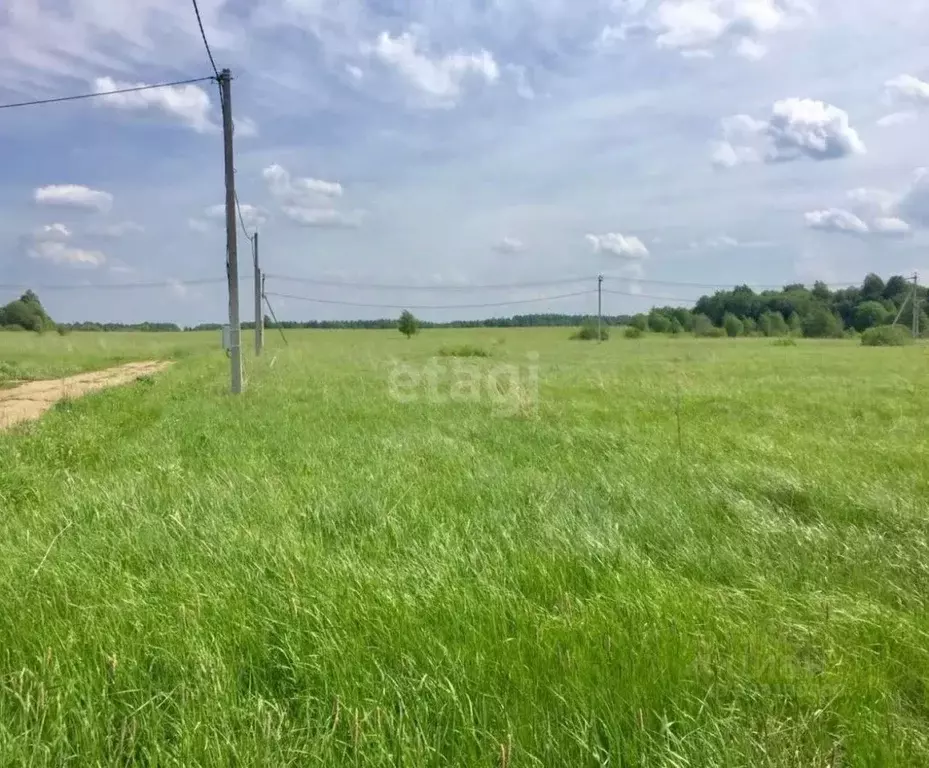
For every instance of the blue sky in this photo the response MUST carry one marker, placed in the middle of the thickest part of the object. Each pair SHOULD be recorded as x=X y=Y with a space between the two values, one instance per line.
x=461 y=144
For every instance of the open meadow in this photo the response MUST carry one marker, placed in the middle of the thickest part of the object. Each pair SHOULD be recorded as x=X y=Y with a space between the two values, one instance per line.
x=654 y=552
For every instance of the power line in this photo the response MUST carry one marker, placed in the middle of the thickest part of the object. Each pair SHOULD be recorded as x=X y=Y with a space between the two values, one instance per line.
x=647 y=296
x=533 y=284
x=386 y=287
x=118 y=286
x=133 y=89
x=206 y=44
x=430 y=306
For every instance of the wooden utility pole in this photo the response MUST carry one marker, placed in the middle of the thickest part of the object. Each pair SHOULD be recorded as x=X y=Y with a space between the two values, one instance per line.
x=259 y=325
x=599 y=307
x=232 y=258
x=915 y=305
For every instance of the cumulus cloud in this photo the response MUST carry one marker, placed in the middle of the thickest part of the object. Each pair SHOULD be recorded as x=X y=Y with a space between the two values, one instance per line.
x=797 y=128
x=836 y=220
x=282 y=185
x=908 y=90
x=871 y=218
x=74 y=196
x=438 y=78
x=615 y=244
x=814 y=129
x=696 y=26
x=510 y=245
x=189 y=104
x=49 y=243
x=310 y=202
x=53 y=232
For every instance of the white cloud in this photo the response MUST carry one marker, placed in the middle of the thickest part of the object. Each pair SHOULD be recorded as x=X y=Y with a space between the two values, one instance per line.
x=245 y=127
x=836 y=220
x=439 y=78
x=897 y=118
x=325 y=218
x=251 y=215
x=510 y=245
x=615 y=244
x=53 y=232
x=890 y=225
x=356 y=73
x=797 y=128
x=908 y=90
x=726 y=155
x=750 y=49
x=74 y=196
x=198 y=225
x=59 y=253
x=190 y=104
x=871 y=201
x=282 y=185
x=814 y=129
x=695 y=26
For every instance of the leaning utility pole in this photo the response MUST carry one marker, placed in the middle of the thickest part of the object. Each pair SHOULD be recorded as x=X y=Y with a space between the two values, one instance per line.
x=232 y=258
x=259 y=325
x=599 y=307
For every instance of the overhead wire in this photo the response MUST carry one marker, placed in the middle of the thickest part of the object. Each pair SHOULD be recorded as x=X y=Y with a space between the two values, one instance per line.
x=316 y=300
x=115 y=92
x=395 y=287
x=206 y=43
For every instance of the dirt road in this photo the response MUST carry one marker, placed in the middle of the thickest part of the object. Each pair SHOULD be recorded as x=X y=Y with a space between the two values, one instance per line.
x=29 y=401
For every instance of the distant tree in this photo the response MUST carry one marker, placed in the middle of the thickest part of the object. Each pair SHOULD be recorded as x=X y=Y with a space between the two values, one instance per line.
x=896 y=288
x=658 y=322
x=640 y=322
x=821 y=292
x=703 y=326
x=870 y=314
x=822 y=324
x=676 y=326
x=872 y=289
x=773 y=324
x=794 y=325
x=750 y=325
x=27 y=313
x=734 y=327
x=408 y=324
x=887 y=336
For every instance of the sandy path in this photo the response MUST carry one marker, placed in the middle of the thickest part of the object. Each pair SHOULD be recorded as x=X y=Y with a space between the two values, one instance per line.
x=29 y=401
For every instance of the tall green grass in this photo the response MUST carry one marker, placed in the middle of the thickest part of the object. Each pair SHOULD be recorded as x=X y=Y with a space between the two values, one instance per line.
x=690 y=553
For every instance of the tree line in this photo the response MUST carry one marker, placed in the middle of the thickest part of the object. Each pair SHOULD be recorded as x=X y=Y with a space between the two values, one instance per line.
x=815 y=312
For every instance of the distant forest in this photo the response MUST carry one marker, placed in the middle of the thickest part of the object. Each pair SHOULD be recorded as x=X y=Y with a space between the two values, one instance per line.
x=796 y=309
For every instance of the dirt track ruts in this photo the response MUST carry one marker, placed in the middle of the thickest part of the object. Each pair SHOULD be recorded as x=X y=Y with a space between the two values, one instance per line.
x=29 y=401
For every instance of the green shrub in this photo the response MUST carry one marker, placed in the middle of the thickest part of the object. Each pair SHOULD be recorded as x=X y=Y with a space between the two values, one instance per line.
x=887 y=336
x=785 y=341
x=733 y=326
x=465 y=350
x=588 y=332
x=633 y=332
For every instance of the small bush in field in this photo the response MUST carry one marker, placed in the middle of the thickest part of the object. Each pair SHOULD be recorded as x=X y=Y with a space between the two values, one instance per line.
x=634 y=332
x=465 y=350
x=886 y=336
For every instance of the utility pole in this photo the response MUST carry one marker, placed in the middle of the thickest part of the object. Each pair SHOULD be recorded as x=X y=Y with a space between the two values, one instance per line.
x=599 y=307
x=915 y=306
x=259 y=327
x=232 y=256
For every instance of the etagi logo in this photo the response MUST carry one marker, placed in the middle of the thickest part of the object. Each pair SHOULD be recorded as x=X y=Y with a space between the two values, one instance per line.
x=510 y=388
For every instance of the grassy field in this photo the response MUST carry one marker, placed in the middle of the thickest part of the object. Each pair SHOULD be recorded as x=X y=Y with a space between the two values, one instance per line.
x=665 y=552
x=28 y=356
